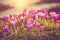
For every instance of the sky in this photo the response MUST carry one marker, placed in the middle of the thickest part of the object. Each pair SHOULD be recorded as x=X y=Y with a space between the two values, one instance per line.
x=19 y=5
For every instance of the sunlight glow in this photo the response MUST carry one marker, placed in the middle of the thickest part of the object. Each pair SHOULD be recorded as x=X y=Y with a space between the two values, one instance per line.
x=23 y=3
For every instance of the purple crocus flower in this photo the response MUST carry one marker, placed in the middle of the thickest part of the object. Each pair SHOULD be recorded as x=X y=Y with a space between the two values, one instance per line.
x=59 y=14
x=54 y=15
x=37 y=24
x=42 y=15
x=24 y=12
x=15 y=15
x=5 y=18
x=13 y=23
x=29 y=23
x=11 y=17
x=22 y=15
x=29 y=26
x=19 y=15
x=33 y=16
x=38 y=10
x=22 y=18
x=31 y=11
x=45 y=10
x=1 y=19
x=6 y=28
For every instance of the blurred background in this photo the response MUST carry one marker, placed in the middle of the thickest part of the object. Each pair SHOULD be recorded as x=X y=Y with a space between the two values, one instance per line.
x=8 y=7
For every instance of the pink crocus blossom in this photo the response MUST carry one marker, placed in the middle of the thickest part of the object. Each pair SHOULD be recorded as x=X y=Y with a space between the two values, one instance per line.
x=59 y=14
x=22 y=18
x=13 y=23
x=5 y=18
x=31 y=11
x=42 y=15
x=29 y=24
x=45 y=10
x=24 y=12
x=29 y=21
x=37 y=24
x=6 y=28
x=33 y=16
x=38 y=10
x=11 y=17
x=54 y=15
x=22 y=15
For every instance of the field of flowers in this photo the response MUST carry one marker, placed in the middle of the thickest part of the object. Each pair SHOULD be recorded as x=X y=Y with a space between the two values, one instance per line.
x=31 y=24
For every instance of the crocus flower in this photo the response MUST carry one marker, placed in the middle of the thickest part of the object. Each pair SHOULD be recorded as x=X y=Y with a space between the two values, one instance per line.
x=33 y=16
x=38 y=10
x=54 y=15
x=6 y=28
x=31 y=11
x=1 y=19
x=37 y=24
x=14 y=15
x=13 y=23
x=24 y=12
x=22 y=18
x=22 y=15
x=42 y=15
x=59 y=14
x=5 y=18
x=11 y=17
x=45 y=10
x=29 y=21
x=29 y=24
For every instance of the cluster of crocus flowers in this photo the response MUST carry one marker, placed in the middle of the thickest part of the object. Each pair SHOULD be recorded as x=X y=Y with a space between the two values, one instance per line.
x=28 y=18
